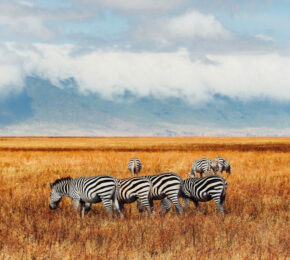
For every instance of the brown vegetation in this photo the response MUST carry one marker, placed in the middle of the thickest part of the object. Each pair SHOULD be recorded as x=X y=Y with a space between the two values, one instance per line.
x=256 y=224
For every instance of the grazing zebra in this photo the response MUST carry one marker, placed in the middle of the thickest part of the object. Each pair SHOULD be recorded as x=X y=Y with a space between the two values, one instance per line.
x=204 y=165
x=224 y=165
x=167 y=188
x=205 y=189
x=134 y=166
x=84 y=191
x=132 y=189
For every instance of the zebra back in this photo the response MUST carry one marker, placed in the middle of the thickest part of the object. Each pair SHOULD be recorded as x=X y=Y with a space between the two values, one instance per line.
x=203 y=165
x=134 y=166
x=88 y=188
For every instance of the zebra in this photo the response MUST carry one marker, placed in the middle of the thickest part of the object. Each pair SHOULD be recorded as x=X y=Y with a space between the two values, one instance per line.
x=204 y=165
x=132 y=189
x=167 y=188
x=84 y=191
x=134 y=166
x=224 y=165
x=205 y=189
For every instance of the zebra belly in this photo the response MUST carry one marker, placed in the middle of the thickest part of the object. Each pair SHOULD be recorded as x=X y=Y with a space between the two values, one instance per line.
x=205 y=197
x=95 y=199
x=157 y=196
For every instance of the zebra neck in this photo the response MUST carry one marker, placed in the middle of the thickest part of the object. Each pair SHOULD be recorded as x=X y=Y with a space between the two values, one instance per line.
x=64 y=189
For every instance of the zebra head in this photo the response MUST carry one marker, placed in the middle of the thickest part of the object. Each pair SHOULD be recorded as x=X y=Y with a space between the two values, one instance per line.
x=215 y=165
x=191 y=173
x=228 y=170
x=58 y=189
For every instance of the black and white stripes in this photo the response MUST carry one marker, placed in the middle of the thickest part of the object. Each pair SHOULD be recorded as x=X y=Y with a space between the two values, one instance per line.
x=205 y=189
x=134 y=166
x=203 y=165
x=84 y=191
x=166 y=186
x=223 y=165
x=132 y=189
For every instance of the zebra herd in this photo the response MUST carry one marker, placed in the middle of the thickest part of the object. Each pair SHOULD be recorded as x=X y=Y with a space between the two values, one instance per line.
x=167 y=187
x=205 y=165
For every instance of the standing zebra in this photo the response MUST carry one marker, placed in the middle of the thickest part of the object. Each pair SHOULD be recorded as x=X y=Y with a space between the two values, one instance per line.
x=224 y=165
x=134 y=166
x=132 y=189
x=203 y=165
x=167 y=188
x=205 y=189
x=84 y=191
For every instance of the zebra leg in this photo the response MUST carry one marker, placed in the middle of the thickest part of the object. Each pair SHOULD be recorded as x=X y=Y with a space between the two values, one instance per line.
x=82 y=210
x=87 y=208
x=140 y=206
x=196 y=204
x=186 y=203
x=144 y=200
x=151 y=207
x=121 y=208
x=107 y=203
x=165 y=205
x=219 y=204
x=176 y=202
x=76 y=202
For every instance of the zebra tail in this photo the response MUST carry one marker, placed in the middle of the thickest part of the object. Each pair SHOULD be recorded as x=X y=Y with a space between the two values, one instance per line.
x=225 y=187
x=115 y=197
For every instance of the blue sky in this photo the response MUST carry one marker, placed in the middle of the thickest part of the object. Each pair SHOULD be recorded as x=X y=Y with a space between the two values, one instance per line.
x=186 y=49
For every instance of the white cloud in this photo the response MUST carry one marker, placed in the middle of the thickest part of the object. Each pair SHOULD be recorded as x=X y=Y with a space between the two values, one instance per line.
x=22 y=20
x=133 y=5
x=193 y=25
x=162 y=74
x=186 y=27
x=11 y=72
x=264 y=37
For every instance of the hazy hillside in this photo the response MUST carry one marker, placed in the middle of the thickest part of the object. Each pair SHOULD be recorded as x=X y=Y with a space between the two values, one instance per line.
x=63 y=109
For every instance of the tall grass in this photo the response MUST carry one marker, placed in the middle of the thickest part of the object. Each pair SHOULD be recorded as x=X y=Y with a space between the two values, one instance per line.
x=256 y=224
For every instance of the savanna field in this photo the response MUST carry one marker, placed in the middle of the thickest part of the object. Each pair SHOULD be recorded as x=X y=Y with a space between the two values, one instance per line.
x=255 y=226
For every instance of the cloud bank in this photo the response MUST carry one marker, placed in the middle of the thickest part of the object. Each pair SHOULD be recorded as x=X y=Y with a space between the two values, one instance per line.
x=186 y=27
x=160 y=74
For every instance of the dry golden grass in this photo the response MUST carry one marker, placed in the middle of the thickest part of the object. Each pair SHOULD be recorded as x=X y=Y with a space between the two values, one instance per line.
x=256 y=224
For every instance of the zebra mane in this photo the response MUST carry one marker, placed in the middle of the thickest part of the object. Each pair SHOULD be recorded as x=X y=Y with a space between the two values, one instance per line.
x=61 y=180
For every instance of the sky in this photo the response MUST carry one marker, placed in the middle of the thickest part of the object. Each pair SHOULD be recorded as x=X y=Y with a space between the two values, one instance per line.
x=162 y=48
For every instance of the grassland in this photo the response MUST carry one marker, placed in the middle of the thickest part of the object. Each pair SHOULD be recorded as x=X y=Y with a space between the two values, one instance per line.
x=256 y=224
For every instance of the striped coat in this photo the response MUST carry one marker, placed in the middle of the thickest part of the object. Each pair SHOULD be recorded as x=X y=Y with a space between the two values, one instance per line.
x=84 y=191
x=223 y=165
x=205 y=189
x=167 y=188
x=203 y=165
x=132 y=189
x=134 y=166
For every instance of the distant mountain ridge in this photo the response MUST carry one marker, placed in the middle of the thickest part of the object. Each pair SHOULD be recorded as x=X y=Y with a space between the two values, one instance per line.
x=51 y=110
